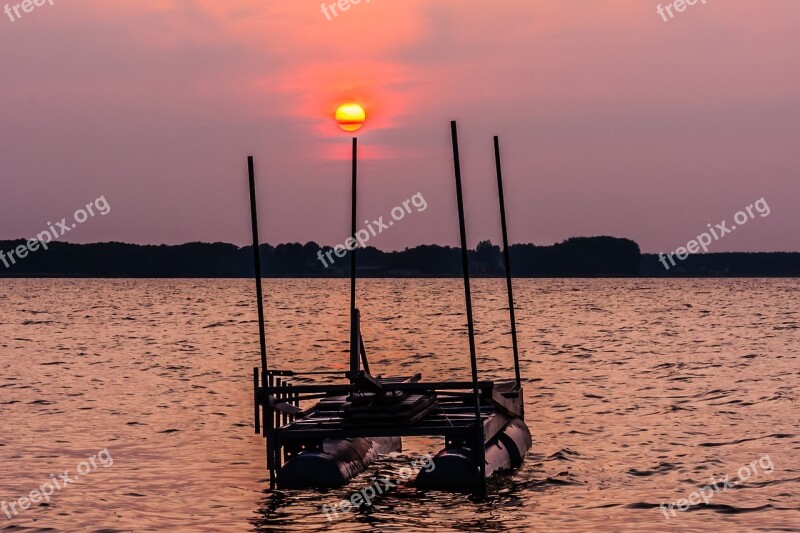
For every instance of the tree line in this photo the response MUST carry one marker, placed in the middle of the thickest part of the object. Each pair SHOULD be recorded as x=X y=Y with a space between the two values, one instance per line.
x=575 y=257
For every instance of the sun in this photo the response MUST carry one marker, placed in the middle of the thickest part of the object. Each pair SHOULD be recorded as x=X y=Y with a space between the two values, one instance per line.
x=350 y=117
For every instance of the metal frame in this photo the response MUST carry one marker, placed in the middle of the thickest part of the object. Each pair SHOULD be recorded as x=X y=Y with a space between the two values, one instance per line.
x=289 y=430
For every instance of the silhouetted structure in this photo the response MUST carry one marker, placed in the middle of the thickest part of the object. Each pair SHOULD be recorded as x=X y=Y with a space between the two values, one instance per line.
x=329 y=443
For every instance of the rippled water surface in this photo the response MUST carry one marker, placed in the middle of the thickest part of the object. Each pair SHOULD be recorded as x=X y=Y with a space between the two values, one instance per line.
x=638 y=392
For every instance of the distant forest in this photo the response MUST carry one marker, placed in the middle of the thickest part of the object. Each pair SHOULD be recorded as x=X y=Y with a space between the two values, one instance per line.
x=575 y=257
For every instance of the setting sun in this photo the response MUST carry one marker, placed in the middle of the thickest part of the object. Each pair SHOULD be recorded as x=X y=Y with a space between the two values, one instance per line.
x=350 y=117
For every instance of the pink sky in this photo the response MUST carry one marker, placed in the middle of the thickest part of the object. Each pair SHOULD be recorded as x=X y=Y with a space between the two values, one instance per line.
x=612 y=121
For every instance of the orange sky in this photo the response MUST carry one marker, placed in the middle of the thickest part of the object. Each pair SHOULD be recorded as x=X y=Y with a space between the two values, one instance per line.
x=612 y=121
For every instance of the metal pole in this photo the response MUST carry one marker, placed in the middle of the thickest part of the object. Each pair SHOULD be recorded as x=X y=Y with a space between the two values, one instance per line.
x=257 y=264
x=468 y=297
x=256 y=413
x=507 y=259
x=266 y=382
x=269 y=420
x=279 y=399
x=353 y=213
x=355 y=342
x=355 y=335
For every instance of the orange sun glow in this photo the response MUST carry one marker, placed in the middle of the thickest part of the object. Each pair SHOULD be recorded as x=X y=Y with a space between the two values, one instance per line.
x=350 y=117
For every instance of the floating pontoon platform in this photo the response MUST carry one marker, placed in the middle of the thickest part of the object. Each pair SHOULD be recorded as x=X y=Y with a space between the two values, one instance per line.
x=323 y=447
x=350 y=424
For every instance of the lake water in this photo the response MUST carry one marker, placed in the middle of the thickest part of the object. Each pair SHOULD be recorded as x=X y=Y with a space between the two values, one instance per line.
x=638 y=392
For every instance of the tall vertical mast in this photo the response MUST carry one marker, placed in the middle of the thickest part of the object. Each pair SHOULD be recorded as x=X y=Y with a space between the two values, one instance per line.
x=257 y=263
x=468 y=296
x=355 y=333
x=507 y=259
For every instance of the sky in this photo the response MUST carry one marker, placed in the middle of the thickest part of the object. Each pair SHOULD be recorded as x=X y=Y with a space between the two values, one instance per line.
x=612 y=121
